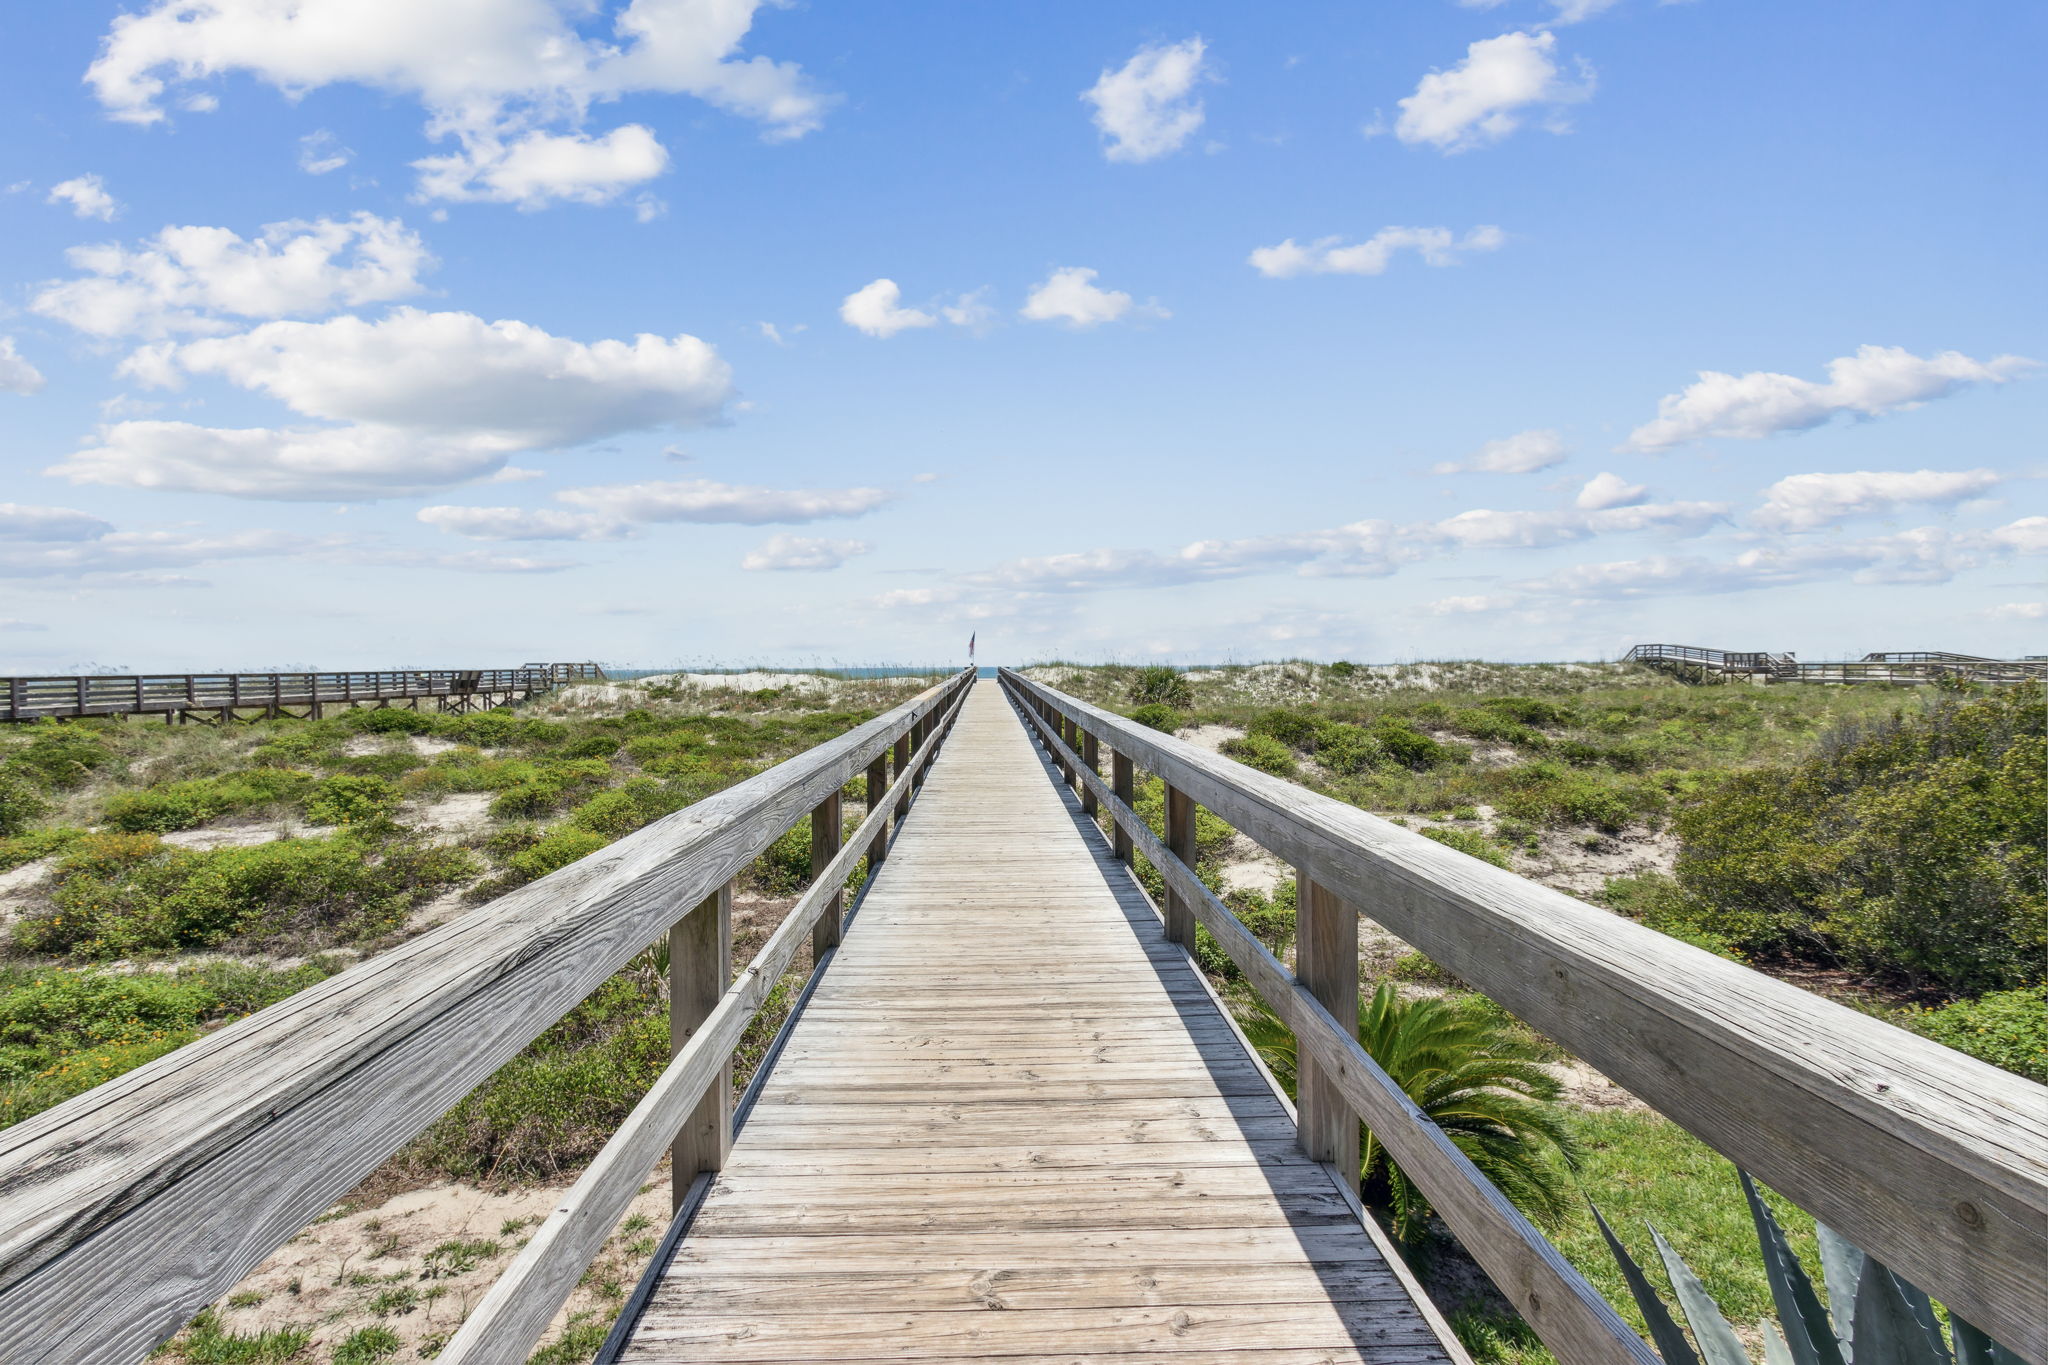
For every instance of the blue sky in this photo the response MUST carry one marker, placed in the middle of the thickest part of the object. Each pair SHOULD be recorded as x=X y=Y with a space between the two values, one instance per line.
x=359 y=332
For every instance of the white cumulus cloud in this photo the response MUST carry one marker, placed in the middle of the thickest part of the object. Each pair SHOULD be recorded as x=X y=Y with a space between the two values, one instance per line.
x=1070 y=295
x=801 y=554
x=19 y=521
x=1603 y=491
x=538 y=168
x=1486 y=96
x=1525 y=452
x=16 y=374
x=490 y=74
x=191 y=279
x=1804 y=502
x=876 y=309
x=87 y=195
x=424 y=400
x=1147 y=107
x=1329 y=255
x=1874 y=381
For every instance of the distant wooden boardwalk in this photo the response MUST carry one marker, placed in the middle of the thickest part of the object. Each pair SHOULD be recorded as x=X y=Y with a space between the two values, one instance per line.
x=219 y=697
x=1013 y=1124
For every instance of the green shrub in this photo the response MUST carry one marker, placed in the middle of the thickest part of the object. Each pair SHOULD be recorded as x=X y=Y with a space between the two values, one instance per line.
x=1410 y=748
x=557 y=849
x=1548 y=793
x=181 y=805
x=388 y=720
x=61 y=754
x=367 y=1346
x=121 y=895
x=1263 y=752
x=351 y=800
x=1348 y=750
x=623 y=809
x=388 y=766
x=785 y=868
x=2004 y=1028
x=1485 y=724
x=1532 y=710
x=1469 y=841
x=1912 y=846
x=206 y=1342
x=1341 y=669
x=1161 y=685
x=36 y=843
x=21 y=805
x=1158 y=716
x=1294 y=729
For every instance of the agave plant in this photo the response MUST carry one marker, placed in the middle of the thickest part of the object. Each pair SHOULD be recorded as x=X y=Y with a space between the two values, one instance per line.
x=1878 y=1318
x=1485 y=1088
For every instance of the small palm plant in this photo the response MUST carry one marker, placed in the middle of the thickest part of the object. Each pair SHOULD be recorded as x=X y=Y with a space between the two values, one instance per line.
x=1484 y=1087
x=1876 y=1316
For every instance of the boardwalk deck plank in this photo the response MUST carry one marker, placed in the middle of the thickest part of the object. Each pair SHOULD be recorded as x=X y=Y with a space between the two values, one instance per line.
x=1010 y=1092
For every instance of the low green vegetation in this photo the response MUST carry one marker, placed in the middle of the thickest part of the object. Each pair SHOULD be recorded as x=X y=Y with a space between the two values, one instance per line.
x=64 y=1030
x=1910 y=846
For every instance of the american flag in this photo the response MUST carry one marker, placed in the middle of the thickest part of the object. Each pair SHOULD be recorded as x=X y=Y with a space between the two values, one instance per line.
x=970 y=645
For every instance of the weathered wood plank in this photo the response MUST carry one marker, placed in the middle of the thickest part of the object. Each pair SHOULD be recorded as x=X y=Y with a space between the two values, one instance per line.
x=1008 y=1073
x=129 y=1208
x=1933 y=1162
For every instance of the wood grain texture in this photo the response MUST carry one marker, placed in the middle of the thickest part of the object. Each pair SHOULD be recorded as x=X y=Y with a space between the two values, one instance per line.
x=1567 y=1312
x=513 y=1314
x=699 y=969
x=1009 y=1091
x=1933 y=1162
x=1326 y=962
x=127 y=1209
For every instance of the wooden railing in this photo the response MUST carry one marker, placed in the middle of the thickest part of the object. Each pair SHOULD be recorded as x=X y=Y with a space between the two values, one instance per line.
x=114 y=694
x=127 y=1209
x=1931 y=1161
x=1909 y=666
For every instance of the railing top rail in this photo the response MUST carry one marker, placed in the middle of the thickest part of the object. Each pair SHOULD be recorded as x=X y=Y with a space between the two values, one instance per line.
x=130 y=1207
x=1931 y=1161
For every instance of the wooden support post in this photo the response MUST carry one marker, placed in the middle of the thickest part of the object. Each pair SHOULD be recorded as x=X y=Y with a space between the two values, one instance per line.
x=1180 y=840
x=1122 y=781
x=1326 y=961
x=877 y=818
x=699 y=970
x=1091 y=754
x=902 y=760
x=825 y=834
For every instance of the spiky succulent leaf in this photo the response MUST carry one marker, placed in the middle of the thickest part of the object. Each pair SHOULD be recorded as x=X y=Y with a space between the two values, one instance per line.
x=1664 y=1331
x=1809 y=1336
x=1841 y=1263
x=1776 y=1352
x=1887 y=1331
x=1718 y=1342
x=1923 y=1313
x=1974 y=1348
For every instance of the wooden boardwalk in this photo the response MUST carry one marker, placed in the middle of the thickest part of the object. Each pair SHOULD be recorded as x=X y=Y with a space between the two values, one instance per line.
x=1013 y=1124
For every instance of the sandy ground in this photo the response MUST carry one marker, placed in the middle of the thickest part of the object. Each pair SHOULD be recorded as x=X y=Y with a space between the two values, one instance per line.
x=1210 y=737
x=454 y=818
x=417 y=1263
x=229 y=835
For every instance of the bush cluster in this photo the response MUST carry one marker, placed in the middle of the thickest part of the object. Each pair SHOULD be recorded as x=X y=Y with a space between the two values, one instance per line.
x=130 y=895
x=182 y=805
x=1911 y=846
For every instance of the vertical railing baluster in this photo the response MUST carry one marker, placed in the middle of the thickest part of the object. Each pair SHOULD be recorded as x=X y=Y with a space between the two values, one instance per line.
x=699 y=970
x=1180 y=840
x=825 y=836
x=877 y=818
x=1091 y=755
x=901 y=758
x=1123 y=781
x=1326 y=961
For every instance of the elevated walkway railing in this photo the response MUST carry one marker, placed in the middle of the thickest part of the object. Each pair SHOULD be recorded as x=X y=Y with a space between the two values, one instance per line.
x=127 y=1209
x=1933 y=1162
x=116 y=694
x=1903 y=666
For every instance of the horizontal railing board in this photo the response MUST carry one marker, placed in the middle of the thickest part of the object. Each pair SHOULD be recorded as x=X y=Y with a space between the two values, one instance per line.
x=1566 y=1311
x=1932 y=1161
x=125 y=1210
x=516 y=1310
x=118 y=693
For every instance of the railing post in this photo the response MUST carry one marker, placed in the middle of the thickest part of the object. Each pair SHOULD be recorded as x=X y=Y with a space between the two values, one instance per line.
x=1180 y=841
x=902 y=761
x=1326 y=961
x=825 y=835
x=1091 y=754
x=878 y=786
x=1122 y=781
x=699 y=970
